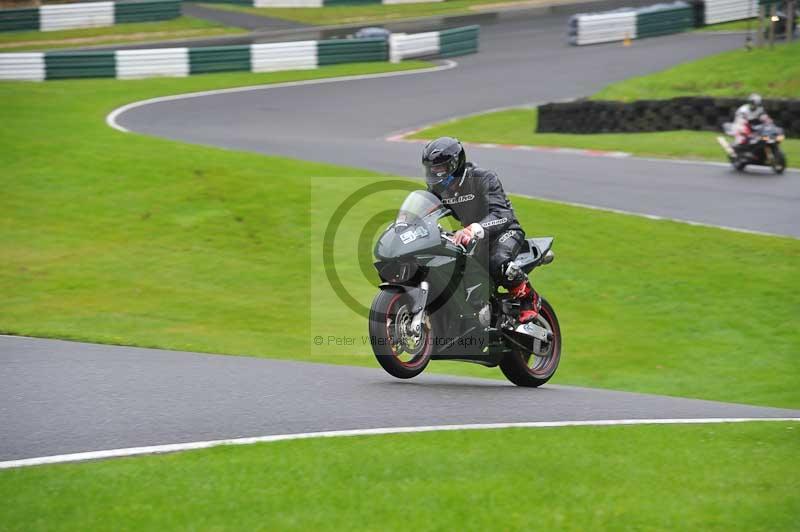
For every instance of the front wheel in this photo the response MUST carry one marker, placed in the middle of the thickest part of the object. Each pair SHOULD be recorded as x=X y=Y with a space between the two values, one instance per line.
x=532 y=363
x=400 y=350
x=778 y=161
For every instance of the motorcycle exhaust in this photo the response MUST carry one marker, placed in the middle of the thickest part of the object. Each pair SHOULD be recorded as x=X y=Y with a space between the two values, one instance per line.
x=726 y=146
x=548 y=257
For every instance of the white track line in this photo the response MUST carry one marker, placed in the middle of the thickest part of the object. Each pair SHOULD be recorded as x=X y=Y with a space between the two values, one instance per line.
x=157 y=449
x=111 y=119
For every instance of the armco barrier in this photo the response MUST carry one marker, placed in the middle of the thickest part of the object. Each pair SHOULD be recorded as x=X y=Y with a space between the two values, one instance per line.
x=219 y=59
x=446 y=43
x=655 y=21
x=25 y=67
x=66 y=65
x=146 y=11
x=602 y=27
x=19 y=19
x=270 y=57
x=700 y=113
x=717 y=11
x=136 y=64
x=87 y=15
x=71 y=16
x=351 y=51
x=131 y=64
x=622 y=24
x=659 y=19
x=458 y=41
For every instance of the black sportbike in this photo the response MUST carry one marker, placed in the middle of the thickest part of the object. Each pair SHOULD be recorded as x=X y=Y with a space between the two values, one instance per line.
x=763 y=147
x=438 y=302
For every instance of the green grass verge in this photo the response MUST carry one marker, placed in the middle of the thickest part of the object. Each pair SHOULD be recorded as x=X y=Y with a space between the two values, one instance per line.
x=517 y=126
x=121 y=238
x=377 y=12
x=704 y=477
x=115 y=220
x=182 y=27
x=736 y=25
x=774 y=73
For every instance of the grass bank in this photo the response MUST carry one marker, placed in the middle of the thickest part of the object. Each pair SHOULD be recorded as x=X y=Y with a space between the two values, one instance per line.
x=126 y=239
x=736 y=25
x=182 y=27
x=773 y=73
x=354 y=14
x=705 y=477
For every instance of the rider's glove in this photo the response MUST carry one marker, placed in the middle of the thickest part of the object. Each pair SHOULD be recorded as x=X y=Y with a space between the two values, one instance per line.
x=465 y=236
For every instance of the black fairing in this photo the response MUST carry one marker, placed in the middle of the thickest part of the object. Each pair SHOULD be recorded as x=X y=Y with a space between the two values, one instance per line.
x=414 y=249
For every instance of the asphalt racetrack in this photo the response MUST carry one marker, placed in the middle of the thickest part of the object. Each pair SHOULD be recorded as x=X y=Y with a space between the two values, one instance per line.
x=521 y=62
x=64 y=397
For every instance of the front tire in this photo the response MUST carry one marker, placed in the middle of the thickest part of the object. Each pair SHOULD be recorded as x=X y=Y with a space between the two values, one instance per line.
x=778 y=161
x=522 y=366
x=398 y=350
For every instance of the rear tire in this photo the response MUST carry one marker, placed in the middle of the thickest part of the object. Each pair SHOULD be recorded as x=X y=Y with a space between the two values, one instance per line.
x=523 y=367
x=739 y=165
x=400 y=353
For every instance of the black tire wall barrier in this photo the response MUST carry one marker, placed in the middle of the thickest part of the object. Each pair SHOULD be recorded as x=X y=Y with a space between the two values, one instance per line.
x=701 y=113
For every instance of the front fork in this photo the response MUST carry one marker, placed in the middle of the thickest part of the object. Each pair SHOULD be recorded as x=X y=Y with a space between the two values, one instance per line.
x=769 y=154
x=421 y=300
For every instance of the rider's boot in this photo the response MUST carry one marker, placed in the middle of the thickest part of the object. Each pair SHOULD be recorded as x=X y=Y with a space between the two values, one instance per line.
x=529 y=302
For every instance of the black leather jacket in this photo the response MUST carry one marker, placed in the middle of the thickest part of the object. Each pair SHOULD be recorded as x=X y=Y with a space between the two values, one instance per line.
x=478 y=196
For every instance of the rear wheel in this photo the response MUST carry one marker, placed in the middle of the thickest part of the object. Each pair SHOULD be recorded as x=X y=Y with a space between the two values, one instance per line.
x=400 y=350
x=532 y=363
x=739 y=165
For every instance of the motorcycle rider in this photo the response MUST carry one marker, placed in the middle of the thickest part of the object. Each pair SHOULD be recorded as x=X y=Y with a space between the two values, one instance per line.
x=747 y=116
x=477 y=200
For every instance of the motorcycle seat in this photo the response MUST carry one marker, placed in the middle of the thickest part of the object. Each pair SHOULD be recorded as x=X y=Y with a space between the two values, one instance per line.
x=533 y=251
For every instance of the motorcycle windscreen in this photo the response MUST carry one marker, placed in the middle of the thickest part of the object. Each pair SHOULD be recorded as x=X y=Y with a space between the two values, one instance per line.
x=417 y=206
x=413 y=230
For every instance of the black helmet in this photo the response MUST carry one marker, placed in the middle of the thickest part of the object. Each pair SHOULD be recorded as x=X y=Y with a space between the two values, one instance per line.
x=443 y=159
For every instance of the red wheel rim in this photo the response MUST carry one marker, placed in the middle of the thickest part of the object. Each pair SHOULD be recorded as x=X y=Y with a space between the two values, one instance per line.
x=549 y=362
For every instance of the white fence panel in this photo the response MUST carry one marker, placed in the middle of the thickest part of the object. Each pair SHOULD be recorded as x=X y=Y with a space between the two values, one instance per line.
x=402 y=45
x=726 y=10
x=133 y=64
x=70 y=16
x=269 y=57
x=24 y=67
x=606 y=27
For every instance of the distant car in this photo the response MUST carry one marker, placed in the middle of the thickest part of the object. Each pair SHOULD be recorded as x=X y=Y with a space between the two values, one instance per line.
x=372 y=33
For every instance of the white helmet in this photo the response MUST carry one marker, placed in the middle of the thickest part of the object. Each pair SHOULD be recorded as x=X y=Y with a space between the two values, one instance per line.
x=754 y=100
